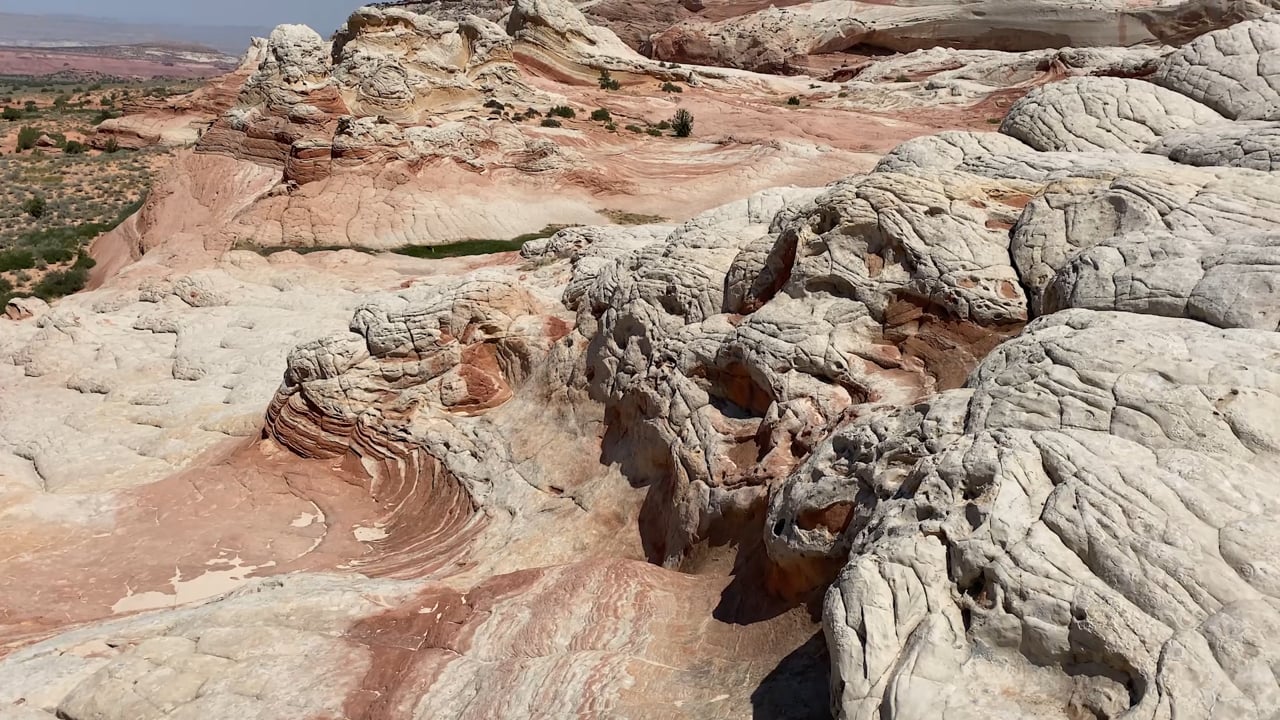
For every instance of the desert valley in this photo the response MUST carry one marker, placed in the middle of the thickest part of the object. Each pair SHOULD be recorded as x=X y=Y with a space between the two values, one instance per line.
x=704 y=360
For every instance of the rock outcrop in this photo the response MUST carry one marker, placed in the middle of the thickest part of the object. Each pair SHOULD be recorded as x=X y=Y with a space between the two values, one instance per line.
x=991 y=430
x=778 y=38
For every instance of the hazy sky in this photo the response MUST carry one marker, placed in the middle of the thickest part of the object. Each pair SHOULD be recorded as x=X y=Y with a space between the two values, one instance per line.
x=324 y=15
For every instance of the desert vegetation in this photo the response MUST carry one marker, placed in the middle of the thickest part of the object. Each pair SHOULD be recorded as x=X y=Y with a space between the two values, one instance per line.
x=58 y=191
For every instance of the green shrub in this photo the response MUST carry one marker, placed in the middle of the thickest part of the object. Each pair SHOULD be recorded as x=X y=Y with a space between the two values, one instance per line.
x=34 y=207
x=111 y=146
x=682 y=123
x=671 y=87
x=607 y=82
x=61 y=282
x=11 y=113
x=601 y=115
x=6 y=287
x=654 y=132
x=563 y=111
x=635 y=128
x=793 y=100
x=17 y=259
x=27 y=137
x=550 y=122
x=55 y=254
x=102 y=116
x=31 y=107
x=664 y=125
x=611 y=127
x=74 y=147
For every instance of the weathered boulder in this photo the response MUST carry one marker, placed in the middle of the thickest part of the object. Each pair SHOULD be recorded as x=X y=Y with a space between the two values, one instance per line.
x=1233 y=70
x=1101 y=113
x=1247 y=144
x=1194 y=203
x=1230 y=280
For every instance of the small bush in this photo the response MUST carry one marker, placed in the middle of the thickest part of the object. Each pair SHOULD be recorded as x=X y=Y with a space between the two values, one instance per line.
x=550 y=122
x=27 y=137
x=31 y=107
x=611 y=127
x=635 y=128
x=103 y=116
x=793 y=100
x=34 y=207
x=607 y=82
x=654 y=132
x=563 y=111
x=531 y=113
x=601 y=115
x=670 y=87
x=55 y=254
x=62 y=282
x=682 y=123
x=494 y=104
x=11 y=113
x=664 y=125
x=112 y=146
x=74 y=147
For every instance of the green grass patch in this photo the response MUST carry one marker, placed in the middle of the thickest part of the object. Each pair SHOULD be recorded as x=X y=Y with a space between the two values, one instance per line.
x=476 y=247
x=268 y=250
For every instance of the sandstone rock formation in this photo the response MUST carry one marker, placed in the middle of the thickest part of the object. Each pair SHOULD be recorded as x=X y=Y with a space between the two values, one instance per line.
x=990 y=430
x=778 y=38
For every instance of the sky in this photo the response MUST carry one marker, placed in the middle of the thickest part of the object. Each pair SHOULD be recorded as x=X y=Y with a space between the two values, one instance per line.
x=323 y=15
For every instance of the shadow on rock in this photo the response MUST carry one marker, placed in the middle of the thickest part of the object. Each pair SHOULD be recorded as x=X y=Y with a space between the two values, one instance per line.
x=797 y=688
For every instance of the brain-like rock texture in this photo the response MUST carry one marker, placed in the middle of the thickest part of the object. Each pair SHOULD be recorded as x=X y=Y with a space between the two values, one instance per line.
x=1195 y=203
x=1247 y=144
x=1026 y=518
x=1235 y=71
x=1227 y=281
x=1102 y=113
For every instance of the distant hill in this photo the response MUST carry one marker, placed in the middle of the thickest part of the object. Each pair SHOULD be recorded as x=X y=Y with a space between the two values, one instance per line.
x=18 y=30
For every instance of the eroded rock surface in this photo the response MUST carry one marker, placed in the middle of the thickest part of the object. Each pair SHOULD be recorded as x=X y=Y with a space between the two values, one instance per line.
x=989 y=431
